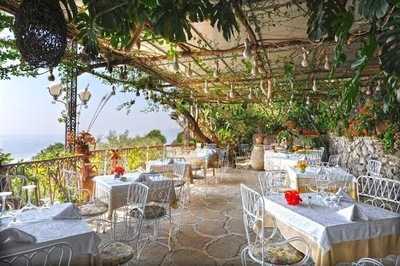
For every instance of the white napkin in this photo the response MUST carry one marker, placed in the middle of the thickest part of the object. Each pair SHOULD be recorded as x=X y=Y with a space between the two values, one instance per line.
x=353 y=213
x=69 y=212
x=14 y=235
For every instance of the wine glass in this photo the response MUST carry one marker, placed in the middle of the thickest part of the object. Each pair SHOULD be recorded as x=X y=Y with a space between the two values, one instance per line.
x=29 y=205
x=4 y=196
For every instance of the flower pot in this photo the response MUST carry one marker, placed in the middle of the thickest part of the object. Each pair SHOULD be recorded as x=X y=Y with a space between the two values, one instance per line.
x=257 y=157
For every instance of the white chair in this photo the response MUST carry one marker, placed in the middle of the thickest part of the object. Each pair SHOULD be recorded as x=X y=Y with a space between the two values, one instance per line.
x=243 y=154
x=380 y=192
x=55 y=254
x=271 y=181
x=368 y=262
x=374 y=167
x=333 y=160
x=260 y=245
x=180 y=175
x=116 y=252
x=314 y=157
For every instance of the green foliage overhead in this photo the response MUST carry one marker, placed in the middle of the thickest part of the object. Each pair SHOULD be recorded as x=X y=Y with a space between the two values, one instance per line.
x=56 y=150
x=371 y=9
x=5 y=157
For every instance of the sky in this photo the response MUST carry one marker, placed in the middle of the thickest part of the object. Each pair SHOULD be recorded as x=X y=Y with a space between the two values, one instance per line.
x=26 y=109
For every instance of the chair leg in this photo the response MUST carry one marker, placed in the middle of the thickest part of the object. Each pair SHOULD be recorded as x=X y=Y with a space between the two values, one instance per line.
x=243 y=254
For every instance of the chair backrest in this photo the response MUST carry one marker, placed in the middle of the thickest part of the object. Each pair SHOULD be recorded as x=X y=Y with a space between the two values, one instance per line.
x=14 y=184
x=244 y=149
x=180 y=170
x=56 y=254
x=334 y=160
x=381 y=192
x=314 y=157
x=374 y=167
x=137 y=196
x=368 y=262
x=160 y=191
x=253 y=214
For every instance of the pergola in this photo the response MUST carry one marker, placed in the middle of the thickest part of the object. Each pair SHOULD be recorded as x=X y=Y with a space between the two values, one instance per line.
x=248 y=68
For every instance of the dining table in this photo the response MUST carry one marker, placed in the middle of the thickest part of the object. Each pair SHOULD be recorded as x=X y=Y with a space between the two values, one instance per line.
x=44 y=226
x=305 y=181
x=280 y=160
x=114 y=191
x=166 y=166
x=332 y=236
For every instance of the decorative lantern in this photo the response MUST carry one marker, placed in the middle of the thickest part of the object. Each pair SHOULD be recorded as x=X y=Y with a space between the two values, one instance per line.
x=41 y=32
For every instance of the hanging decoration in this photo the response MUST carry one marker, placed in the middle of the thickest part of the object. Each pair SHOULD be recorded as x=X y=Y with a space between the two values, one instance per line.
x=269 y=89
x=176 y=64
x=308 y=100
x=206 y=86
x=216 y=70
x=250 y=94
x=231 y=93
x=304 y=62
x=262 y=87
x=41 y=32
x=327 y=65
x=254 y=69
x=314 y=86
x=247 y=49
x=378 y=87
x=189 y=70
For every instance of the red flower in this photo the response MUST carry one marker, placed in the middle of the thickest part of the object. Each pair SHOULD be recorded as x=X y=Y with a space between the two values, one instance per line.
x=293 y=197
x=119 y=170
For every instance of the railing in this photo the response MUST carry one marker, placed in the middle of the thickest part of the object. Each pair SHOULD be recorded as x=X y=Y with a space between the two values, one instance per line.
x=49 y=175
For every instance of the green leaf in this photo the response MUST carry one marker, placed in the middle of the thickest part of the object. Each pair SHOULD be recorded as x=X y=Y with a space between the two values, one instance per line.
x=389 y=42
x=321 y=23
x=371 y=9
x=223 y=17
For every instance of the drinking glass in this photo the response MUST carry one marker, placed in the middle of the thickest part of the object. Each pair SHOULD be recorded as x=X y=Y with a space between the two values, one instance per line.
x=4 y=196
x=29 y=205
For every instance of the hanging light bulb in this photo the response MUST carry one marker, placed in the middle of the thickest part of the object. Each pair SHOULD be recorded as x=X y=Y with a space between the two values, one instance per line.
x=51 y=76
x=206 y=86
x=216 y=70
x=269 y=89
x=327 y=65
x=378 y=87
x=189 y=70
x=247 y=49
x=262 y=87
x=308 y=100
x=231 y=94
x=291 y=100
x=176 y=64
x=304 y=62
x=314 y=85
x=250 y=94
x=254 y=69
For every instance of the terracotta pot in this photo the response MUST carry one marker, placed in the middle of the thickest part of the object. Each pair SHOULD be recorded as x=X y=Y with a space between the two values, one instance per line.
x=291 y=124
x=258 y=138
x=257 y=157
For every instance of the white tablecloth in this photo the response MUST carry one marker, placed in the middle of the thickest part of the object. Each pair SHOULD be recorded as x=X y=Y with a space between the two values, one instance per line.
x=115 y=192
x=296 y=177
x=159 y=166
x=41 y=225
x=280 y=160
x=326 y=227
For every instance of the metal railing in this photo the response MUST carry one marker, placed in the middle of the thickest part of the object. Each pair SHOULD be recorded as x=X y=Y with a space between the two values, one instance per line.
x=48 y=175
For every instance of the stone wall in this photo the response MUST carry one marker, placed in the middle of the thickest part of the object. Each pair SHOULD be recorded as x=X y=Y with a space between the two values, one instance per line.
x=355 y=153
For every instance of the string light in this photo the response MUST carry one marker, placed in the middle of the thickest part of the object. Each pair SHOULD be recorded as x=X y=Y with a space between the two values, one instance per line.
x=247 y=49
x=269 y=89
x=304 y=62
x=314 y=86
x=308 y=100
x=327 y=65
x=231 y=94
x=250 y=94
x=216 y=70
x=206 y=86
x=378 y=87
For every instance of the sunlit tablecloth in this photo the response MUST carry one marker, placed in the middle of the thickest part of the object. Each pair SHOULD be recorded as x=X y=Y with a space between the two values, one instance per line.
x=280 y=160
x=47 y=231
x=334 y=239
x=301 y=181
x=164 y=166
x=115 y=192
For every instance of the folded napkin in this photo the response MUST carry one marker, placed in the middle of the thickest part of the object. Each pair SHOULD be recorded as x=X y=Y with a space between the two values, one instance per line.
x=15 y=236
x=69 y=212
x=353 y=213
x=145 y=177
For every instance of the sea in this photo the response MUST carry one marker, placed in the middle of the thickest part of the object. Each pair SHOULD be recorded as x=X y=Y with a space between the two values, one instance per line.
x=24 y=147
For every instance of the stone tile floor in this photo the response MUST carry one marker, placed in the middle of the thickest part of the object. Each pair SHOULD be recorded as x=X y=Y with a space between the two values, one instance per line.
x=211 y=231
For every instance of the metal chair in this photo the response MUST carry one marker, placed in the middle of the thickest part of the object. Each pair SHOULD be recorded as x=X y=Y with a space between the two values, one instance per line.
x=334 y=160
x=380 y=192
x=56 y=254
x=180 y=174
x=17 y=199
x=374 y=167
x=314 y=157
x=271 y=181
x=243 y=154
x=116 y=251
x=261 y=248
x=368 y=262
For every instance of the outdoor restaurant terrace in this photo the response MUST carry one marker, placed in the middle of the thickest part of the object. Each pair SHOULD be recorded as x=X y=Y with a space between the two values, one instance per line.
x=290 y=144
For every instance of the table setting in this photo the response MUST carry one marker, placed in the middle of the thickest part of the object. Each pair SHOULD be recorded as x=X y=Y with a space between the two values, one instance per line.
x=27 y=229
x=337 y=228
x=114 y=190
